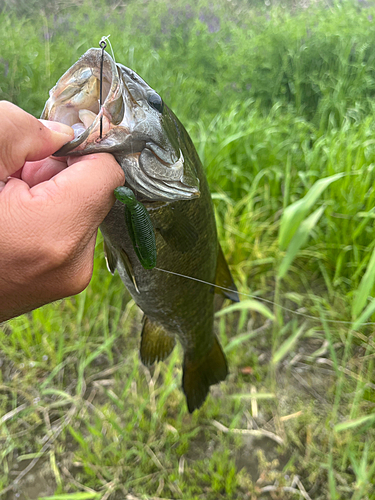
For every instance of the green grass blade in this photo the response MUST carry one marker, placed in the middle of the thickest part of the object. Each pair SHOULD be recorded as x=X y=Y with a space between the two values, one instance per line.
x=370 y=309
x=351 y=424
x=294 y=214
x=364 y=288
x=249 y=304
x=237 y=341
x=287 y=345
x=298 y=240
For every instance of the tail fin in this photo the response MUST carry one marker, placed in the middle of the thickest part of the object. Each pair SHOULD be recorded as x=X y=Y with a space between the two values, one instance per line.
x=198 y=376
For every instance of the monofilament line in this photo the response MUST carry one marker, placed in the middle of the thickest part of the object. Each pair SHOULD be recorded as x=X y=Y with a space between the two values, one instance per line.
x=106 y=39
x=261 y=299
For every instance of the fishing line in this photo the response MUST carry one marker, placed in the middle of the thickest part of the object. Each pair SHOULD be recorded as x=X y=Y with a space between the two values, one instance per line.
x=107 y=40
x=261 y=299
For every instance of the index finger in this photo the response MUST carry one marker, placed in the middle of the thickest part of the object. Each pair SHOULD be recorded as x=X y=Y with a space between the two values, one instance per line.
x=24 y=138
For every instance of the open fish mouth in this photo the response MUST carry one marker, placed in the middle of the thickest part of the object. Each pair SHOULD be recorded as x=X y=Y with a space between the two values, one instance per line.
x=75 y=101
x=132 y=123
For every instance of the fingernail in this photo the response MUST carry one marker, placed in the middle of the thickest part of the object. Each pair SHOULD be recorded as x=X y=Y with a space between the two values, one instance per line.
x=61 y=128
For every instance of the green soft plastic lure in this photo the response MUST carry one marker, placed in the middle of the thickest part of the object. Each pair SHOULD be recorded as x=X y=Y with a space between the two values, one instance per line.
x=140 y=227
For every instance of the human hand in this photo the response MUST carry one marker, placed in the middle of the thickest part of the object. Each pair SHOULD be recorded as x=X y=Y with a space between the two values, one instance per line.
x=49 y=214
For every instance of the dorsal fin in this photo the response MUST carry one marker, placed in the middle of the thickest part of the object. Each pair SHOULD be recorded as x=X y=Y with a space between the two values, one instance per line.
x=224 y=278
x=156 y=343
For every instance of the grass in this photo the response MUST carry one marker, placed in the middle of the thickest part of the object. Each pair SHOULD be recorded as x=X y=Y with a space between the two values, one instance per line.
x=279 y=103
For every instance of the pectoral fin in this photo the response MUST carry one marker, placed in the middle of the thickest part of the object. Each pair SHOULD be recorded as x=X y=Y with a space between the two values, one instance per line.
x=156 y=343
x=128 y=268
x=198 y=376
x=224 y=278
x=110 y=258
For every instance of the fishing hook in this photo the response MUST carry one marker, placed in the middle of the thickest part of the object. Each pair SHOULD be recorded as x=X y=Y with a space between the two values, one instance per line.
x=103 y=45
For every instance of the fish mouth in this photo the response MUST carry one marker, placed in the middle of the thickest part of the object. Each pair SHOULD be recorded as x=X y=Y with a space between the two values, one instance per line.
x=75 y=101
x=153 y=167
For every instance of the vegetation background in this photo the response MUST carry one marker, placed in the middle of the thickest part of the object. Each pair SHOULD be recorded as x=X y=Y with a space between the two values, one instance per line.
x=279 y=101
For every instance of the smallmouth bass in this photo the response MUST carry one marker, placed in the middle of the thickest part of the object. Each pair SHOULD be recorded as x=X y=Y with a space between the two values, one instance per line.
x=163 y=170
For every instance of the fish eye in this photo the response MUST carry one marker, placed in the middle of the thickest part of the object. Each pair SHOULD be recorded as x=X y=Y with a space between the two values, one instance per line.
x=156 y=102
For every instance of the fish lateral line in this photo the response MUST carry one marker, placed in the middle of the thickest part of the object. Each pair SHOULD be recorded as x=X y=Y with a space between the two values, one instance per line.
x=261 y=299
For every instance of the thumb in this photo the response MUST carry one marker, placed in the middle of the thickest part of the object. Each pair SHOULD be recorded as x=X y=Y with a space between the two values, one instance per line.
x=84 y=189
x=24 y=138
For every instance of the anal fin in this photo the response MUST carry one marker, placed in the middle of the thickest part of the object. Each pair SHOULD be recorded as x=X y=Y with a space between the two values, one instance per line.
x=198 y=376
x=224 y=279
x=156 y=343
